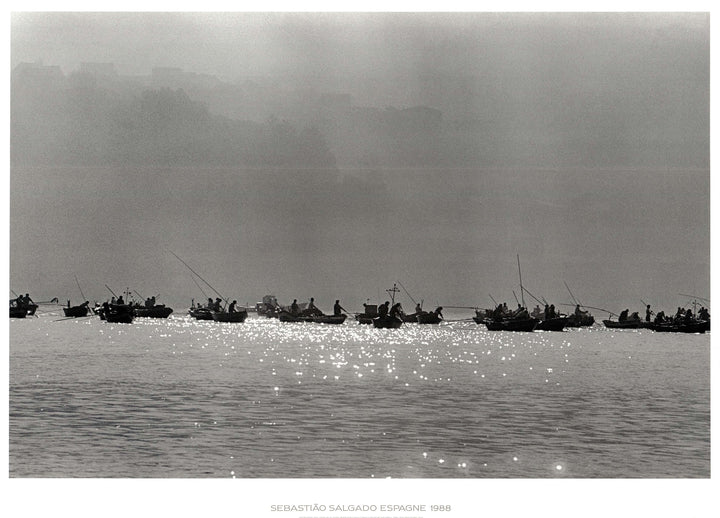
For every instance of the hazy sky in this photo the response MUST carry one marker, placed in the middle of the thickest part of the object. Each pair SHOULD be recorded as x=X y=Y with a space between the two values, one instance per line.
x=615 y=106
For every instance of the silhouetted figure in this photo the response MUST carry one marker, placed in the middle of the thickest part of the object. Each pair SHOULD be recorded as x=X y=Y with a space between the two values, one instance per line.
x=383 y=309
x=438 y=312
x=231 y=308
x=338 y=309
x=623 y=315
x=120 y=301
x=648 y=313
x=294 y=307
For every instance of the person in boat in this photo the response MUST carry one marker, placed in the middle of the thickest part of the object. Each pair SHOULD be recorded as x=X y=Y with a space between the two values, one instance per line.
x=623 y=315
x=635 y=317
x=383 y=309
x=579 y=312
x=689 y=315
x=231 y=307
x=311 y=309
x=648 y=313
x=679 y=314
x=120 y=301
x=660 y=317
x=438 y=313
x=520 y=313
x=536 y=312
x=703 y=314
x=396 y=310
x=338 y=309
x=294 y=307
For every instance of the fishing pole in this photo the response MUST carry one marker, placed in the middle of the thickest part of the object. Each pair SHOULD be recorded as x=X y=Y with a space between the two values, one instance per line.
x=533 y=296
x=516 y=299
x=495 y=301
x=198 y=275
x=78 y=285
x=577 y=302
x=591 y=307
x=520 y=275
x=407 y=293
x=111 y=291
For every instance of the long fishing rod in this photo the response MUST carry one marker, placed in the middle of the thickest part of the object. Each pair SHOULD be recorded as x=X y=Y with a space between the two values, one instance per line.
x=111 y=291
x=198 y=275
x=591 y=307
x=533 y=296
x=576 y=301
x=200 y=287
x=78 y=285
x=516 y=299
x=495 y=301
x=407 y=293
x=521 y=286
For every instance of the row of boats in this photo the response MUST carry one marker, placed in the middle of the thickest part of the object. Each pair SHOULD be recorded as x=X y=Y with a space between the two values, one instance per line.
x=379 y=316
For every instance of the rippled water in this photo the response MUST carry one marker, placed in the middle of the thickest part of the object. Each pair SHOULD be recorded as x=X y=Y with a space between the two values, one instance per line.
x=181 y=398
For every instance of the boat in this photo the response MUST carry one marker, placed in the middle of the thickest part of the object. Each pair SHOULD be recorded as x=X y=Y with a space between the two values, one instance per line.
x=16 y=311
x=269 y=307
x=387 y=322
x=552 y=324
x=368 y=315
x=582 y=320
x=511 y=324
x=626 y=324
x=235 y=317
x=119 y=314
x=428 y=318
x=697 y=326
x=285 y=316
x=77 y=311
x=157 y=311
x=201 y=313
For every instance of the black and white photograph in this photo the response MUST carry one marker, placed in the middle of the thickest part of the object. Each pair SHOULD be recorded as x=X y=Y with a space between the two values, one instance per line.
x=454 y=251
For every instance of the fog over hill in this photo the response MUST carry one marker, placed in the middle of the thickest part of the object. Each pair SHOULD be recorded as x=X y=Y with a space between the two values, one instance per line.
x=329 y=155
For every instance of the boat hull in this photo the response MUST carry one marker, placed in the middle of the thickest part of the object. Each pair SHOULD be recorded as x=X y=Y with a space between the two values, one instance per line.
x=522 y=325
x=223 y=316
x=201 y=314
x=76 y=311
x=154 y=312
x=428 y=318
x=684 y=327
x=387 y=323
x=552 y=324
x=628 y=324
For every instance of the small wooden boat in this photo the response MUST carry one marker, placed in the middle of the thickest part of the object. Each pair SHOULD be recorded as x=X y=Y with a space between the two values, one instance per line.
x=201 y=313
x=512 y=324
x=77 y=311
x=627 y=324
x=387 y=322
x=15 y=311
x=428 y=318
x=285 y=316
x=580 y=320
x=235 y=317
x=157 y=311
x=698 y=326
x=552 y=324
x=119 y=314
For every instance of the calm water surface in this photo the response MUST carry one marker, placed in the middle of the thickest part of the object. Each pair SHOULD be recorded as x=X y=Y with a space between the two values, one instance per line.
x=181 y=398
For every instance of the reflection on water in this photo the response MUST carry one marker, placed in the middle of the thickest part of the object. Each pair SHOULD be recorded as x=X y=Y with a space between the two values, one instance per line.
x=185 y=398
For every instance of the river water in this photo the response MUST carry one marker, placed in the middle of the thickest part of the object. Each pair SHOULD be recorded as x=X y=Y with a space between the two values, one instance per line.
x=179 y=398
